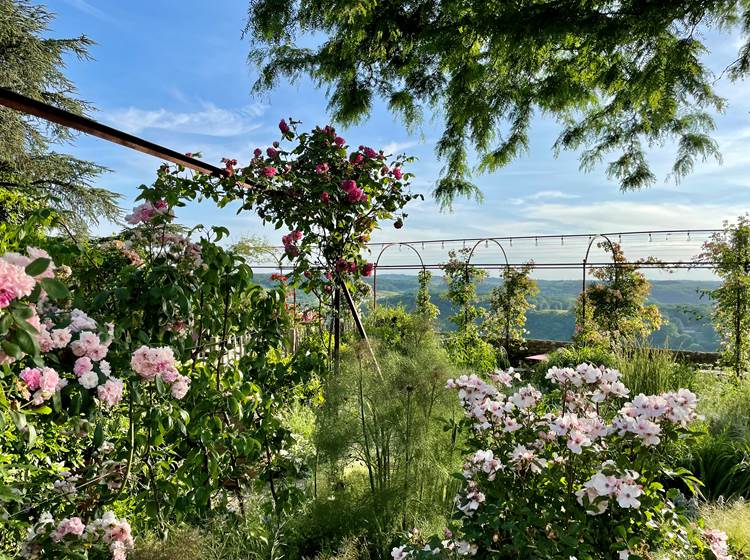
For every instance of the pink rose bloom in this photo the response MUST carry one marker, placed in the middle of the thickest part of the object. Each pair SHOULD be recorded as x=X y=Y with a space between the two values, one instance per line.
x=339 y=141
x=325 y=197
x=321 y=168
x=32 y=377
x=272 y=153
x=356 y=158
x=14 y=282
x=61 y=337
x=257 y=152
x=150 y=362
x=70 y=526
x=348 y=185
x=49 y=380
x=355 y=195
x=367 y=269
x=180 y=387
x=269 y=171
x=397 y=173
x=370 y=153
x=83 y=365
x=297 y=235
x=283 y=127
x=110 y=392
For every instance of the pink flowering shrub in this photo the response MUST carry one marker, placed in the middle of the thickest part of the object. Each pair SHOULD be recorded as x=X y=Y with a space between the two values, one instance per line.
x=579 y=472
x=313 y=184
x=107 y=535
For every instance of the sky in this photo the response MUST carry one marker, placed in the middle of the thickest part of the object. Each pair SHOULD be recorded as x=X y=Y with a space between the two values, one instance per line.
x=176 y=73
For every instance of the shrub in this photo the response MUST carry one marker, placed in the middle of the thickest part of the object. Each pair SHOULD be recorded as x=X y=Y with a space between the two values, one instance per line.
x=580 y=450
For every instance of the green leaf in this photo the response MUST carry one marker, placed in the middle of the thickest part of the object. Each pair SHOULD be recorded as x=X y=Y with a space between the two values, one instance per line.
x=38 y=266
x=26 y=342
x=55 y=289
x=98 y=435
x=11 y=349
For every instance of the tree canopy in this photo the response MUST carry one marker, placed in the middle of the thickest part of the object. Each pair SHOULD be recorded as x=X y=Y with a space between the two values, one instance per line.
x=620 y=76
x=33 y=65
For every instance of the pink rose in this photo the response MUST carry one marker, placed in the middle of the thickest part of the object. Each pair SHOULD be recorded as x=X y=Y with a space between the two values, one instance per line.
x=32 y=378
x=397 y=173
x=283 y=127
x=356 y=158
x=367 y=269
x=257 y=153
x=83 y=365
x=339 y=141
x=321 y=168
x=325 y=197
x=269 y=171
x=348 y=184
x=272 y=153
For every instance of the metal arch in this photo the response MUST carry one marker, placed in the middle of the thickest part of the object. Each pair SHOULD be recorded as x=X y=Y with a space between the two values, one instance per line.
x=507 y=269
x=496 y=242
x=585 y=262
x=377 y=262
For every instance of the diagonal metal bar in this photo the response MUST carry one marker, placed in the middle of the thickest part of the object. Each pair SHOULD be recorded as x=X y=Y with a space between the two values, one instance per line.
x=56 y=115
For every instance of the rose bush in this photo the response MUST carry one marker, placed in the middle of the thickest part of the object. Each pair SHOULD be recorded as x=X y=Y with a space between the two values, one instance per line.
x=578 y=473
x=101 y=411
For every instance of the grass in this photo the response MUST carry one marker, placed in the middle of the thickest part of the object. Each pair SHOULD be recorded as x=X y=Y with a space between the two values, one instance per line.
x=653 y=370
x=734 y=519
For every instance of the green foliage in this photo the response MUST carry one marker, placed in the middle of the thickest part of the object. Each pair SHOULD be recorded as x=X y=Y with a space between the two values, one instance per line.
x=32 y=63
x=462 y=279
x=652 y=371
x=469 y=350
x=734 y=519
x=384 y=459
x=509 y=304
x=730 y=252
x=619 y=76
x=424 y=307
x=613 y=310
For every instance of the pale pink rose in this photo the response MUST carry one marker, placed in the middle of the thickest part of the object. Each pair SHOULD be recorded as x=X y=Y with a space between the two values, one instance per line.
x=83 y=365
x=110 y=392
x=69 y=526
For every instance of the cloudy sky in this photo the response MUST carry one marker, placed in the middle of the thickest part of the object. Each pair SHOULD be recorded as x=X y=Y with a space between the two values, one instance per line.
x=176 y=73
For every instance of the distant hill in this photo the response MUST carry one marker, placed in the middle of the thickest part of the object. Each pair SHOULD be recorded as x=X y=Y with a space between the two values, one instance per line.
x=688 y=315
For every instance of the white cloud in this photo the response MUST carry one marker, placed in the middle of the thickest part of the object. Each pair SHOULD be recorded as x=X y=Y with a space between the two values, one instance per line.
x=210 y=120
x=629 y=216
x=86 y=8
x=396 y=148
x=543 y=195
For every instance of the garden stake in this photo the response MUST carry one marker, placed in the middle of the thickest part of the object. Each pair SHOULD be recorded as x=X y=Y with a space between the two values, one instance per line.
x=360 y=326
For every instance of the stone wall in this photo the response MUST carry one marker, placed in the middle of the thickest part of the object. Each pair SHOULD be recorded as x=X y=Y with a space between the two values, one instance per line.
x=534 y=347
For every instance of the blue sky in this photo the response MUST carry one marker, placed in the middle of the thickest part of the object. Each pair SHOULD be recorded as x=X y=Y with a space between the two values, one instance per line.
x=176 y=73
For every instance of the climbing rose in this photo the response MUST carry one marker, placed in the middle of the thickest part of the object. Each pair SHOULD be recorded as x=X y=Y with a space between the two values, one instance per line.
x=321 y=168
x=367 y=269
x=397 y=173
x=283 y=127
x=32 y=377
x=272 y=153
x=69 y=526
x=180 y=387
x=325 y=197
x=152 y=362
x=14 y=282
x=339 y=141
x=83 y=365
x=269 y=171
x=257 y=152
x=110 y=392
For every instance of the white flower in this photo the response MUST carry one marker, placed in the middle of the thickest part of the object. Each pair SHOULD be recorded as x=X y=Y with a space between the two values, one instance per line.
x=89 y=380
x=627 y=496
